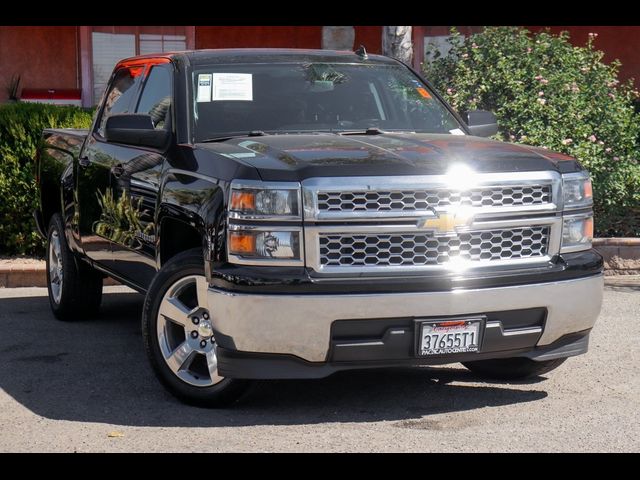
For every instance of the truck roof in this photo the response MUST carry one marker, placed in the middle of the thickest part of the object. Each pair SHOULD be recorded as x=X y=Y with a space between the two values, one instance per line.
x=258 y=55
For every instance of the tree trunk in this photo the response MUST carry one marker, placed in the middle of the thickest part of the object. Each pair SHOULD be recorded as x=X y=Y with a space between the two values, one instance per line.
x=396 y=43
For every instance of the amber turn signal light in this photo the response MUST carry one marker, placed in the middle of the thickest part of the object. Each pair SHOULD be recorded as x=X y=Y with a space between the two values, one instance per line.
x=242 y=243
x=242 y=200
x=588 y=191
x=587 y=228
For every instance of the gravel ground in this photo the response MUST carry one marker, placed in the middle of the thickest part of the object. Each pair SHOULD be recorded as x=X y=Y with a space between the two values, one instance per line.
x=87 y=387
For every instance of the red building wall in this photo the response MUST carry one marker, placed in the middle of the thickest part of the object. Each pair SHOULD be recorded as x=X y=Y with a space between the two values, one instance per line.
x=258 y=36
x=45 y=57
x=621 y=42
x=279 y=37
x=370 y=37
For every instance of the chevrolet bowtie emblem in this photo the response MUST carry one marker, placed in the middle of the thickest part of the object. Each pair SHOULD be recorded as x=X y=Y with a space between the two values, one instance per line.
x=447 y=222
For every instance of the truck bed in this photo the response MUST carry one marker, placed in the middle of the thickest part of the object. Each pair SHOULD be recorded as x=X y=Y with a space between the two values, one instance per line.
x=58 y=149
x=76 y=132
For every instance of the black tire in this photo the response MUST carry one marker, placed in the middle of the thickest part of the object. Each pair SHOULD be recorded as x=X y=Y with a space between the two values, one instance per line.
x=220 y=394
x=517 y=368
x=79 y=294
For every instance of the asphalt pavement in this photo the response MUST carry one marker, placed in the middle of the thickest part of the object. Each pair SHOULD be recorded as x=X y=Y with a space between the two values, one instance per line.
x=86 y=387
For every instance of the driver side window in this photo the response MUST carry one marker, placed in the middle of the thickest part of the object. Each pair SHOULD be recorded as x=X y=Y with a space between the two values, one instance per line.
x=121 y=94
x=156 y=96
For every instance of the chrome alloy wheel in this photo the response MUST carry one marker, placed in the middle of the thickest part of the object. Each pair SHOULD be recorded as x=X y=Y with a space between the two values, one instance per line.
x=185 y=333
x=56 y=275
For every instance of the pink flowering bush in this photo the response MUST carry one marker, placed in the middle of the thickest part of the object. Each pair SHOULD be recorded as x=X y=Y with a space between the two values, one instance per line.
x=546 y=92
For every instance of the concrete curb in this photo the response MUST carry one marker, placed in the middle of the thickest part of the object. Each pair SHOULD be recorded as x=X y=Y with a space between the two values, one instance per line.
x=16 y=274
x=622 y=281
x=617 y=242
x=621 y=255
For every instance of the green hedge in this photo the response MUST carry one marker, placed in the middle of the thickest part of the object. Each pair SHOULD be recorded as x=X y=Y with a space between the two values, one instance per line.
x=21 y=126
x=546 y=92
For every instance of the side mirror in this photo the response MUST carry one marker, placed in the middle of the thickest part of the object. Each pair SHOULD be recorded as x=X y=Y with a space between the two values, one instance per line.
x=135 y=129
x=482 y=123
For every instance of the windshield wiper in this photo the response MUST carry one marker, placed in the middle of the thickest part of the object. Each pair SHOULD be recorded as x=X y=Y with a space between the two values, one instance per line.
x=222 y=138
x=372 y=131
x=368 y=131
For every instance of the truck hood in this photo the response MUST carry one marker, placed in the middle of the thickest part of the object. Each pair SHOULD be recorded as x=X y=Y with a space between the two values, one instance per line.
x=294 y=157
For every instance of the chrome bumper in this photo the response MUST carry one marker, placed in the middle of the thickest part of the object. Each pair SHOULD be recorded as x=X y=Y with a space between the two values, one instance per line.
x=300 y=324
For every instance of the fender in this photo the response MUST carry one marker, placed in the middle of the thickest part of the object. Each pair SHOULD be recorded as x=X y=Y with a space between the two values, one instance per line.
x=198 y=201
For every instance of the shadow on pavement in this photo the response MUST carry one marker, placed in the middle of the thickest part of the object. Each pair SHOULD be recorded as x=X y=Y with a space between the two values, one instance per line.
x=96 y=371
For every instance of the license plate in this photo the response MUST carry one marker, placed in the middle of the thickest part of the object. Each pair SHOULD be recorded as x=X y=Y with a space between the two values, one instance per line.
x=449 y=336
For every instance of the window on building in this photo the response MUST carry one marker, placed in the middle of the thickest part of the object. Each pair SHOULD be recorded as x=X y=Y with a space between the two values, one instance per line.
x=109 y=48
x=161 y=43
x=436 y=46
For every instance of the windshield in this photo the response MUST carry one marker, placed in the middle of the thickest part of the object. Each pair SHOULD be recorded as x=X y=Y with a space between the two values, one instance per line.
x=313 y=97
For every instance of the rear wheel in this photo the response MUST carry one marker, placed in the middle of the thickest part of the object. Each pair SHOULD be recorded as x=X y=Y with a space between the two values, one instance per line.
x=75 y=289
x=178 y=335
x=512 y=368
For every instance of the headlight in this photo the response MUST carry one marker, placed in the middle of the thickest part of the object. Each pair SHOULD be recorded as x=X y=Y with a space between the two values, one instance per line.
x=577 y=233
x=577 y=190
x=250 y=199
x=259 y=245
x=265 y=223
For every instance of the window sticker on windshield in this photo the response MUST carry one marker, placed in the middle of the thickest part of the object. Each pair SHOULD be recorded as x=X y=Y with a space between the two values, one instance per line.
x=204 y=87
x=232 y=86
x=423 y=92
x=456 y=131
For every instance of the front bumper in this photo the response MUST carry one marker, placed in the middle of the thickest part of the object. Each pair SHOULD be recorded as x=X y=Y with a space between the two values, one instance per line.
x=234 y=364
x=313 y=328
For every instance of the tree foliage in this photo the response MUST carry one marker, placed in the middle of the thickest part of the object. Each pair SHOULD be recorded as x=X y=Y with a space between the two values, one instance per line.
x=547 y=92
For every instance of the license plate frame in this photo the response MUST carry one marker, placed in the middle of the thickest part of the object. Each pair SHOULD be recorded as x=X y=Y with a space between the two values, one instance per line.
x=478 y=320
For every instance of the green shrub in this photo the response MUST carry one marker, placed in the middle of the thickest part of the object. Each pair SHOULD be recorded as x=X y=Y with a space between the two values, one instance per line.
x=21 y=126
x=548 y=93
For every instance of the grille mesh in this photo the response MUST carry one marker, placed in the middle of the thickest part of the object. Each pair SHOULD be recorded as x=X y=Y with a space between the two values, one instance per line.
x=412 y=200
x=373 y=250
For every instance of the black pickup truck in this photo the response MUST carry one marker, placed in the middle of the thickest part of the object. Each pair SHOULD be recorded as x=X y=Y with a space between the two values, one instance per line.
x=293 y=213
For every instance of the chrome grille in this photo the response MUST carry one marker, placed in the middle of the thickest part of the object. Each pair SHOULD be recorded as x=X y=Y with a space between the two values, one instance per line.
x=419 y=249
x=415 y=200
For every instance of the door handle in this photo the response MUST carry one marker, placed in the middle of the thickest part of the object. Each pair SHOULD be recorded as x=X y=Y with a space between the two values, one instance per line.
x=117 y=170
x=84 y=161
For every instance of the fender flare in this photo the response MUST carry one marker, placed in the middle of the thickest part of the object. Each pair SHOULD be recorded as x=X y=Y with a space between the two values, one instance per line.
x=201 y=206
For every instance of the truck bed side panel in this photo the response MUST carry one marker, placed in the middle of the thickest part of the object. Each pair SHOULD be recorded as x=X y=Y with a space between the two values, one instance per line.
x=55 y=173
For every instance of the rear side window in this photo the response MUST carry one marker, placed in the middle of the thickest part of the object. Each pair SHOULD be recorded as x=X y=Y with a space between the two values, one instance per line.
x=121 y=94
x=156 y=96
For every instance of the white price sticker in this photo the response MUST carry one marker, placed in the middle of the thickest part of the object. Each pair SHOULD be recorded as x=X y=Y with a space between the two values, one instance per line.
x=232 y=86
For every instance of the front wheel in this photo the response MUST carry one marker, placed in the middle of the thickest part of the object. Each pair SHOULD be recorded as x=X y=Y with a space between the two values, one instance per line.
x=179 y=338
x=516 y=368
